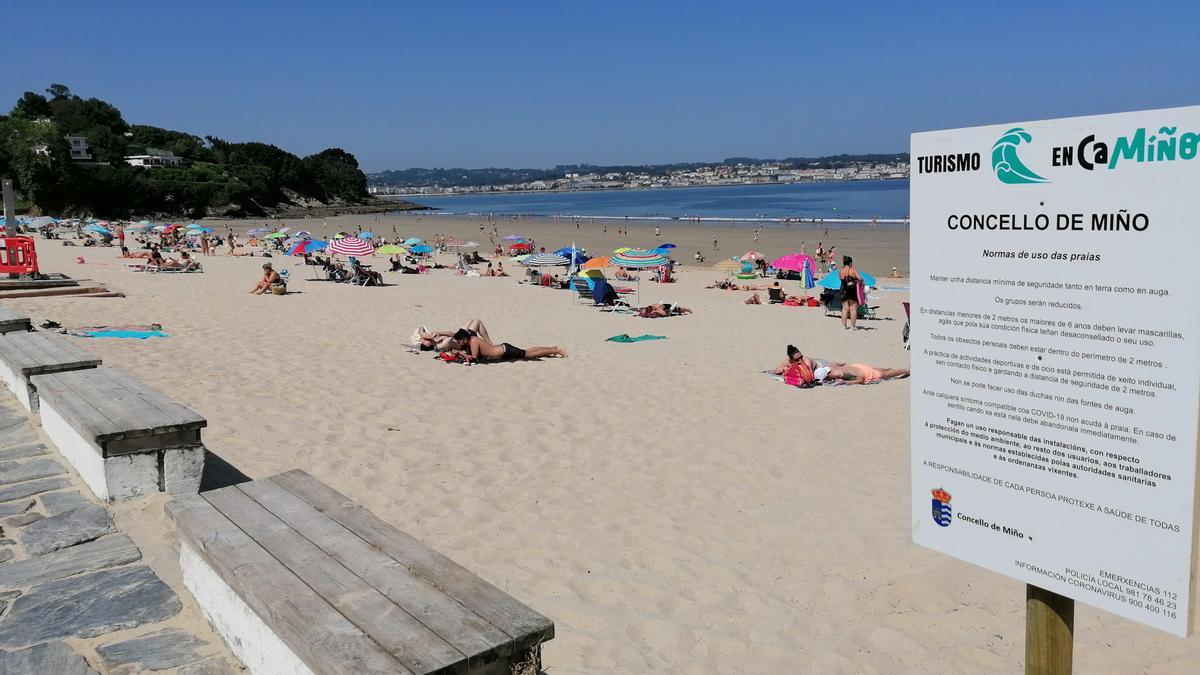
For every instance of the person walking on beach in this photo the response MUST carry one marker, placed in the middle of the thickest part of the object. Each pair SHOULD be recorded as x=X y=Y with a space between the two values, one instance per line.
x=851 y=288
x=657 y=232
x=715 y=243
x=756 y=235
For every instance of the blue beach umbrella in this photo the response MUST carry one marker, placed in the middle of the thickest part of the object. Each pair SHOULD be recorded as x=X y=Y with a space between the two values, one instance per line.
x=808 y=276
x=98 y=230
x=666 y=246
x=412 y=241
x=833 y=282
x=421 y=249
x=366 y=235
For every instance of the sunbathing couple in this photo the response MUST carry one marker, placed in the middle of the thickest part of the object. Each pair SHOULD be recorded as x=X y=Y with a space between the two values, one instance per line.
x=473 y=340
x=662 y=310
x=801 y=370
x=776 y=294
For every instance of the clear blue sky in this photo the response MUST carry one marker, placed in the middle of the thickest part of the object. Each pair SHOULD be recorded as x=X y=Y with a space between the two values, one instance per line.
x=529 y=84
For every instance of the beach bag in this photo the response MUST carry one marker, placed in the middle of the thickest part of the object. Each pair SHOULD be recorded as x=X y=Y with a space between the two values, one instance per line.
x=862 y=292
x=813 y=302
x=798 y=375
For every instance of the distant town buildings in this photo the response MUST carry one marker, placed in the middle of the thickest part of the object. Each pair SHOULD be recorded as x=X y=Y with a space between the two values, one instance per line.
x=720 y=174
x=154 y=157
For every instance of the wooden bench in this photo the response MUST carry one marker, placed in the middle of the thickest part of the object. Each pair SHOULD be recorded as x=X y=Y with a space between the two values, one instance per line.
x=23 y=355
x=298 y=578
x=124 y=438
x=12 y=321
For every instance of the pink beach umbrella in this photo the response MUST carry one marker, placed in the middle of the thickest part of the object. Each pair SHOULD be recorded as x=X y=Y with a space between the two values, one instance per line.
x=798 y=262
x=351 y=246
x=753 y=255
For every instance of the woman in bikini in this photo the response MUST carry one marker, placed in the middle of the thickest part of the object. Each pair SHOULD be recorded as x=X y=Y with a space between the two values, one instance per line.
x=859 y=373
x=851 y=281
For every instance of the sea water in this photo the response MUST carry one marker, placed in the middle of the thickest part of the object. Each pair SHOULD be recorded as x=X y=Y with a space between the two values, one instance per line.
x=859 y=201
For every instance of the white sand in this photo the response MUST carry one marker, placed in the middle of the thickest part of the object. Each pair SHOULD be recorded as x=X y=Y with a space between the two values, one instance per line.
x=669 y=507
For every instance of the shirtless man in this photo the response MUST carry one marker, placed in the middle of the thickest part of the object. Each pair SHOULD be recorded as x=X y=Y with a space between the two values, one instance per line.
x=484 y=350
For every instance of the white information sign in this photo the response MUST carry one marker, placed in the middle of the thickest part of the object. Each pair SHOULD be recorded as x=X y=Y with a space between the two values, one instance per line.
x=1056 y=354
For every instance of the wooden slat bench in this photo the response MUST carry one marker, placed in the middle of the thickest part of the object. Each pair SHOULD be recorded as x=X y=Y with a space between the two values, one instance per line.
x=12 y=321
x=23 y=355
x=124 y=438
x=298 y=578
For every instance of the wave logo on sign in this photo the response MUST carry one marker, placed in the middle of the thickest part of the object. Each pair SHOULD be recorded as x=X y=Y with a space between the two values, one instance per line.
x=1007 y=164
x=941 y=507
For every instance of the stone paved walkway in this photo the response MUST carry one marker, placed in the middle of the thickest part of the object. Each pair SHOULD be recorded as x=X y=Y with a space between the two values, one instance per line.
x=75 y=594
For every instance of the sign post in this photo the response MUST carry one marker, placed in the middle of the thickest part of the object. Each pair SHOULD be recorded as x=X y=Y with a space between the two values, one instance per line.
x=1056 y=363
x=10 y=213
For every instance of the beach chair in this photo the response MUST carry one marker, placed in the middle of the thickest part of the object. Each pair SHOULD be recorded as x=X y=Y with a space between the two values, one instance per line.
x=776 y=295
x=831 y=301
x=583 y=290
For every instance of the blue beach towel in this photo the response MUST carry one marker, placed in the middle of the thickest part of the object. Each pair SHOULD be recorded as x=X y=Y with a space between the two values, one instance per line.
x=135 y=334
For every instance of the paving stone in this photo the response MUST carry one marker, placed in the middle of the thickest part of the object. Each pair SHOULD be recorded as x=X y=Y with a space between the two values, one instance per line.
x=17 y=472
x=22 y=519
x=21 y=434
x=33 y=487
x=6 y=599
x=13 y=508
x=214 y=666
x=168 y=648
x=66 y=529
x=88 y=605
x=24 y=450
x=48 y=657
x=57 y=502
x=90 y=557
x=6 y=554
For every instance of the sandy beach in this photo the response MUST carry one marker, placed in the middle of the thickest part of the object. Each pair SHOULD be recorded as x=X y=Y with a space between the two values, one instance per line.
x=668 y=505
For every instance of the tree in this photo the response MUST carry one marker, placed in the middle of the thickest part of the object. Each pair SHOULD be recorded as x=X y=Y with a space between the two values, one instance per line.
x=40 y=161
x=336 y=175
x=59 y=92
x=32 y=106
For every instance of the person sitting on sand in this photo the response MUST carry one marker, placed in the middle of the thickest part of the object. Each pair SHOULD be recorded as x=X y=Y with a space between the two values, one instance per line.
x=662 y=310
x=484 y=350
x=499 y=269
x=270 y=278
x=445 y=340
x=183 y=263
x=858 y=373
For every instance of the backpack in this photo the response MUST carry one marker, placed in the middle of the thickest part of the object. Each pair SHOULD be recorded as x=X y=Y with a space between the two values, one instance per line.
x=799 y=375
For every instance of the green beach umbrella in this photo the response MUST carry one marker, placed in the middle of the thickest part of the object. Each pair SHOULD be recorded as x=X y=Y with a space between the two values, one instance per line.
x=391 y=249
x=276 y=235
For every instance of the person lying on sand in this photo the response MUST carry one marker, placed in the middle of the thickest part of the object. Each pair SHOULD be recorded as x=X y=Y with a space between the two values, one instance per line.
x=445 y=340
x=184 y=263
x=727 y=285
x=481 y=349
x=270 y=278
x=662 y=310
x=858 y=373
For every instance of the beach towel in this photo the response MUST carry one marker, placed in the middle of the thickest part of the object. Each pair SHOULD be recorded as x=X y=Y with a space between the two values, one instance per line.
x=133 y=334
x=641 y=338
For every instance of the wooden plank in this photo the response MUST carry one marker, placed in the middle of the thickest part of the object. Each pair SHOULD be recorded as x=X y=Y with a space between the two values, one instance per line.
x=110 y=405
x=8 y=314
x=413 y=644
x=38 y=353
x=525 y=626
x=80 y=414
x=466 y=631
x=324 y=639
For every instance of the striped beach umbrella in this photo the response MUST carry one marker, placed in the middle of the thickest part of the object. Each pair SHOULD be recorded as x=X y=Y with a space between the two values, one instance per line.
x=546 y=260
x=638 y=259
x=351 y=246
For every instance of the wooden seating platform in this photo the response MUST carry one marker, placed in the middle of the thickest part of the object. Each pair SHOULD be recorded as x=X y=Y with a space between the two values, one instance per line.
x=24 y=355
x=124 y=438
x=12 y=321
x=298 y=578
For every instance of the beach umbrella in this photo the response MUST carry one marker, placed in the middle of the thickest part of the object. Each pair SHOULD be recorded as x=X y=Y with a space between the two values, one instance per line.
x=366 y=235
x=276 y=235
x=661 y=251
x=514 y=237
x=306 y=246
x=421 y=249
x=351 y=246
x=728 y=266
x=256 y=230
x=201 y=230
x=834 y=282
x=303 y=234
x=635 y=259
x=753 y=255
x=390 y=249
x=144 y=223
x=665 y=246
x=808 y=276
x=98 y=230
x=454 y=241
x=546 y=260
x=566 y=250
x=794 y=262
x=520 y=247
x=520 y=258
x=597 y=263
x=623 y=249
x=285 y=230
x=413 y=241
